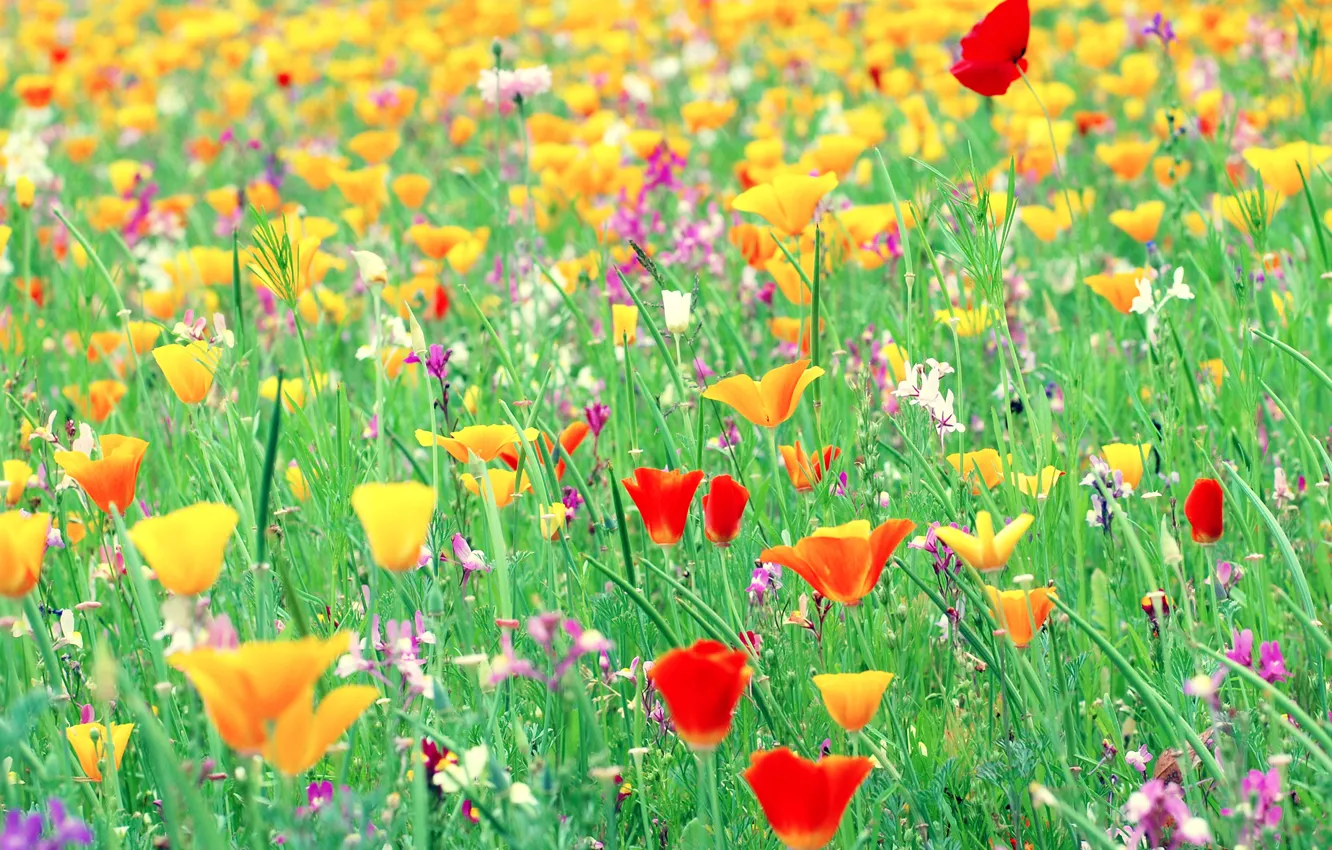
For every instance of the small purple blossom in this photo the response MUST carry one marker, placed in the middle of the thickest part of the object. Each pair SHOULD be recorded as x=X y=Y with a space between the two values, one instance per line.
x=1161 y=28
x=1261 y=794
x=1158 y=806
x=1242 y=651
x=766 y=579
x=1271 y=664
x=1138 y=759
x=29 y=831
x=469 y=559
x=597 y=415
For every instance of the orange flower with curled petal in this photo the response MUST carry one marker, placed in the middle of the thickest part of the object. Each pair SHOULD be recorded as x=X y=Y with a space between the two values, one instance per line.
x=804 y=800
x=852 y=699
x=663 y=498
x=982 y=467
x=22 y=547
x=770 y=401
x=188 y=369
x=259 y=696
x=411 y=189
x=754 y=244
x=1127 y=159
x=487 y=442
x=789 y=280
x=1141 y=222
x=790 y=329
x=88 y=741
x=112 y=479
x=1119 y=288
x=806 y=470
x=701 y=686
x=502 y=484
x=101 y=401
x=1017 y=611
x=789 y=202
x=843 y=563
x=570 y=439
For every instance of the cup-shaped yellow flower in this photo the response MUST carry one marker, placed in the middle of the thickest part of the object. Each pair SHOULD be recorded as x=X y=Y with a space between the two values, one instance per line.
x=89 y=743
x=852 y=699
x=186 y=547
x=15 y=474
x=303 y=733
x=967 y=322
x=985 y=550
x=502 y=483
x=259 y=695
x=22 y=547
x=981 y=467
x=396 y=518
x=1280 y=167
x=624 y=324
x=789 y=202
x=769 y=401
x=1127 y=459
x=1141 y=222
x=487 y=442
x=188 y=369
x=1020 y=612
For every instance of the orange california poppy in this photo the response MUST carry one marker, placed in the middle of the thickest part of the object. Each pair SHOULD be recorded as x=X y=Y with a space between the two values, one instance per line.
x=1128 y=460
x=789 y=202
x=701 y=686
x=804 y=800
x=806 y=470
x=663 y=498
x=570 y=439
x=852 y=699
x=90 y=749
x=503 y=483
x=770 y=401
x=101 y=401
x=1119 y=288
x=487 y=442
x=111 y=479
x=981 y=467
x=1017 y=611
x=22 y=547
x=843 y=563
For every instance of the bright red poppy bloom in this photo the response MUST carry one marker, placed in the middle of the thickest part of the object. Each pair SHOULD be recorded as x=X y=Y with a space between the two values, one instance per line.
x=1203 y=508
x=701 y=686
x=994 y=52
x=723 y=509
x=804 y=800
x=663 y=499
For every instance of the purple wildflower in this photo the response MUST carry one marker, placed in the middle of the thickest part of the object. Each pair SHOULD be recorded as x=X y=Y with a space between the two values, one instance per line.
x=1161 y=28
x=469 y=559
x=766 y=579
x=1271 y=664
x=1242 y=652
x=597 y=415
x=1261 y=794
x=25 y=831
x=1155 y=806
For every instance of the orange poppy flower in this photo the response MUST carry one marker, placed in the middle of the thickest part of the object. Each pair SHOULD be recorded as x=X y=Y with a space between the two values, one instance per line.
x=110 y=480
x=503 y=483
x=804 y=800
x=663 y=498
x=769 y=401
x=790 y=329
x=843 y=563
x=101 y=401
x=1119 y=288
x=852 y=699
x=411 y=189
x=1018 y=611
x=723 y=509
x=487 y=442
x=701 y=686
x=806 y=470
x=1141 y=222
x=570 y=439
x=789 y=202
x=22 y=547
x=755 y=244
x=982 y=467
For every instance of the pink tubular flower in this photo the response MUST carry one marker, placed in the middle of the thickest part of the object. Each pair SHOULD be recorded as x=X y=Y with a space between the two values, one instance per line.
x=507 y=86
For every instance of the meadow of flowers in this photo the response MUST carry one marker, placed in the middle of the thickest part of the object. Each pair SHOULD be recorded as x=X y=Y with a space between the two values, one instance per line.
x=690 y=424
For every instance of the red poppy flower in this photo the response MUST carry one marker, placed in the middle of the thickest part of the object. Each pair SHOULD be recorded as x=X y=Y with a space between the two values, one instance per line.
x=701 y=686
x=1203 y=508
x=993 y=53
x=663 y=500
x=804 y=800
x=723 y=508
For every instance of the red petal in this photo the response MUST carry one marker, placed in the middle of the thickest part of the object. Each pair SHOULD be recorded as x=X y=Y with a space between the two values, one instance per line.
x=1001 y=36
x=1204 y=509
